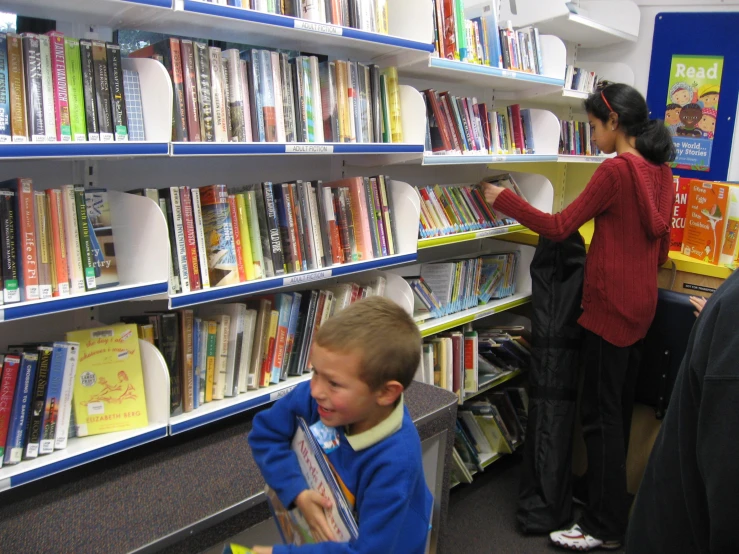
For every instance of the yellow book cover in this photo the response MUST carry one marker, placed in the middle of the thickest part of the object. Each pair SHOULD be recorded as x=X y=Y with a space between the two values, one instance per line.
x=393 y=91
x=109 y=384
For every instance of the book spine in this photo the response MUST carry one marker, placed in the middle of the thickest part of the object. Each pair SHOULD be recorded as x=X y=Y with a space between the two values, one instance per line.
x=36 y=409
x=288 y=99
x=169 y=339
x=240 y=263
x=242 y=220
x=75 y=89
x=196 y=330
x=377 y=215
x=289 y=215
x=275 y=239
x=255 y=85
x=83 y=224
x=165 y=204
x=263 y=234
x=220 y=122
x=316 y=193
x=72 y=241
x=315 y=225
x=283 y=322
x=343 y=224
x=17 y=89
x=219 y=382
x=244 y=75
x=88 y=81
x=117 y=96
x=279 y=104
x=43 y=245
x=204 y=93
x=210 y=360
x=304 y=249
x=20 y=411
x=329 y=210
x=66 y=355
x=63 y=122
x=271 y=343
x=387 y=216
x=225 y=76
x=180 y=110
x=8 y=252
x=10 y=372
x=250 y=205
x=186 y=360
x=190 y=88
x=231 y=62
x=267 y=95
x=291 y=332
x=368 y=202
x=193 y=267
x=102 y=91
x=47 y=86
x=200 y=238
x=34 y=87
x=26 y=241
x=315 y=90
x=180 y=239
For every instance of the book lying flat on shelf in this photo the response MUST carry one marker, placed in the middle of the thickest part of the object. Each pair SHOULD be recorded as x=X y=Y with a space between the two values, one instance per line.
x=315 y=468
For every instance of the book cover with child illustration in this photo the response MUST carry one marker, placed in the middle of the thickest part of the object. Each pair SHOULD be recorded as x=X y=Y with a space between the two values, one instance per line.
x=692 y=108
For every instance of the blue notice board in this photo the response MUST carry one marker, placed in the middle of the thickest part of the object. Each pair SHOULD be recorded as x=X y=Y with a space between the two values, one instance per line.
x=693 y=86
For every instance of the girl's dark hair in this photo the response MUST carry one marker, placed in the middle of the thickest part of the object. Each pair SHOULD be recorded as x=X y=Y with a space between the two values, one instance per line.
x=653 y=140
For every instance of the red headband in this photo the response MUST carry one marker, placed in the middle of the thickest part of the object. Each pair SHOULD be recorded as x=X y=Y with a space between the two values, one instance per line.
x=603 y=96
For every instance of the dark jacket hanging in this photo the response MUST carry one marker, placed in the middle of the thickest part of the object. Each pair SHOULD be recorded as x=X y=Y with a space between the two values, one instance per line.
x=545 y=496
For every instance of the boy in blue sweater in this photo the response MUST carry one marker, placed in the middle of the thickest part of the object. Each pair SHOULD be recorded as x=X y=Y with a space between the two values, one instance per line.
x=363 y=359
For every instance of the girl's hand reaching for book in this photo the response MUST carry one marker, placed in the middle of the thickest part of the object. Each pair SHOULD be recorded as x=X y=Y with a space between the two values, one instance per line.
x=262 y=550
x=698 y=303
x=312 y=505
x=490 y=192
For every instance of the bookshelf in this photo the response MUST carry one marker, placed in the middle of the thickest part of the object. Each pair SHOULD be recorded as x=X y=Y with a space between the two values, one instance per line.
x=83 y=450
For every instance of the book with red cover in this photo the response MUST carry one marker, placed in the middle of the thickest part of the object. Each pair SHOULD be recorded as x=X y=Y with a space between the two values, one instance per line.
x=191 y=245
x=679 y=213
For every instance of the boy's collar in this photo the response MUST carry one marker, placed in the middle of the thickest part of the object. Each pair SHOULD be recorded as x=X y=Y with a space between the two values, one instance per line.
x=379 y=432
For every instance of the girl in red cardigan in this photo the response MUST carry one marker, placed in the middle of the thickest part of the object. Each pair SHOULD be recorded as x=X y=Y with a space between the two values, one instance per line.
x=630 y=197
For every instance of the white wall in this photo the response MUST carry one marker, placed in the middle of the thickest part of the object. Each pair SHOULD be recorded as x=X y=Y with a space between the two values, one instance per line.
x=638 y=54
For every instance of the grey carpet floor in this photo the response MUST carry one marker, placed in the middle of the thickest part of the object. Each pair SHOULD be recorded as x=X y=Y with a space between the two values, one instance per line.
x=482 y=516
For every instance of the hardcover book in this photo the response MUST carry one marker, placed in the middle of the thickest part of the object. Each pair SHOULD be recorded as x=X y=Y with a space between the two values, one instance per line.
x=219 y=240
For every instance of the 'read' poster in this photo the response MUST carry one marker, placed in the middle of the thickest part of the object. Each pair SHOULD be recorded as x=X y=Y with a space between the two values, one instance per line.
x=692 y=108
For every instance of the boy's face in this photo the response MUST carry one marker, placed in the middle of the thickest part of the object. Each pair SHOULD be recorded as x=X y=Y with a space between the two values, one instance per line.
x=710 y=100
x=672 y=116
x=343 y=398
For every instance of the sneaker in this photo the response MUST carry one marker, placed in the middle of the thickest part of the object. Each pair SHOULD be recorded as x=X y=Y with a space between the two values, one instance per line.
x=575 y=539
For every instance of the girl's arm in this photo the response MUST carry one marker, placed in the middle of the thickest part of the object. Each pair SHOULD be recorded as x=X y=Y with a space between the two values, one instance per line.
x=595 y=199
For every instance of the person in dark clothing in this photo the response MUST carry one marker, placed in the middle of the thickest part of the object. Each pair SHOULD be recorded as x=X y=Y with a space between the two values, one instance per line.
x=630 y=197
x=688 y=500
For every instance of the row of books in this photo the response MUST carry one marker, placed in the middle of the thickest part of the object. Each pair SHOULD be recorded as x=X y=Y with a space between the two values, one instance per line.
x=576 y=139
x=448 y=287
x=54 y=243
x=486 y=428
x=59 y=89
x=266 y=96
x=450 y=209
x=705 y=221
x=89 y=384
x=367 y=15
x=473 y=35
x=462 y=125
x=577 y=78
x=223 y=350
x=224 y=237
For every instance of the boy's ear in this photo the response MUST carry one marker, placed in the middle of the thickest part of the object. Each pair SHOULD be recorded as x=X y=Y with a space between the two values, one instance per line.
x=389 y=393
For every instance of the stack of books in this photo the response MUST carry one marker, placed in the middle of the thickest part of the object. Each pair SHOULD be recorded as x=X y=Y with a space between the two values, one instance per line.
x=579 y=79
x=575 y=139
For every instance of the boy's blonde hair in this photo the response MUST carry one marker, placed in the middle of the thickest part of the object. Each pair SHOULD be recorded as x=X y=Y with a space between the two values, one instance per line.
x=386 y=336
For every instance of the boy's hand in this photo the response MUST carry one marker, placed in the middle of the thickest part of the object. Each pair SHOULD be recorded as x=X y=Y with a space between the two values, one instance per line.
x=262 y=550
x=311 y=505
x=698 y=303
x=490 y=192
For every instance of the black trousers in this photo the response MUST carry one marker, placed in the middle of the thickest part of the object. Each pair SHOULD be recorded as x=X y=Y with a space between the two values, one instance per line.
x=606 y=408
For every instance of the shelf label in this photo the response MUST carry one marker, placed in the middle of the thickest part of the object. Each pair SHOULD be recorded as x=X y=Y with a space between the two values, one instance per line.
x=309 y=148
x=4 y=484
x=491 y=232
x=498 y=159
x=508 y=73
x=318 y=27
x=306 y=278
x=280 y=393
x=2 y=318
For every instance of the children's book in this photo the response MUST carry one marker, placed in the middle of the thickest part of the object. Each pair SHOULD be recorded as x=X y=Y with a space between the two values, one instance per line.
x=706 y=220
x=309 y=444
x=109 y=384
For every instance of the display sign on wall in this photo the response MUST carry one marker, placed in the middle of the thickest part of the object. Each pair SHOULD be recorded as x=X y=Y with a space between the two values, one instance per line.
x=692 y=108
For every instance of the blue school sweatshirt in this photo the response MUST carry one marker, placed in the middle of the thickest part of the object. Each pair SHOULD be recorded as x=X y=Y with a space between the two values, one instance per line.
x=393 y=504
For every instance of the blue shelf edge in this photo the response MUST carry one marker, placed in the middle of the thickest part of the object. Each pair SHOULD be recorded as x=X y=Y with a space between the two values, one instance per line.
x=54 y=305
x=156 y=3
x=176 y=428
x=243 y=14
x=264 y=285
x=431 y=159
x=82 y=149
x=87 y=457
x=267 y=148
x=466 y=67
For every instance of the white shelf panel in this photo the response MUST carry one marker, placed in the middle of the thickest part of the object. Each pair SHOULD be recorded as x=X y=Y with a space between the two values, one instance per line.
x=485 y=159
x=437 y=325
x=564 y=97
x=452 y=71
x=584 y=31
x=219 y=409
x=83 y=450
x=108 y=13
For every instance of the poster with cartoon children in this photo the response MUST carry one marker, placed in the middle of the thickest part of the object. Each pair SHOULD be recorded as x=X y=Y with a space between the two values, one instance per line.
x=692 y=108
